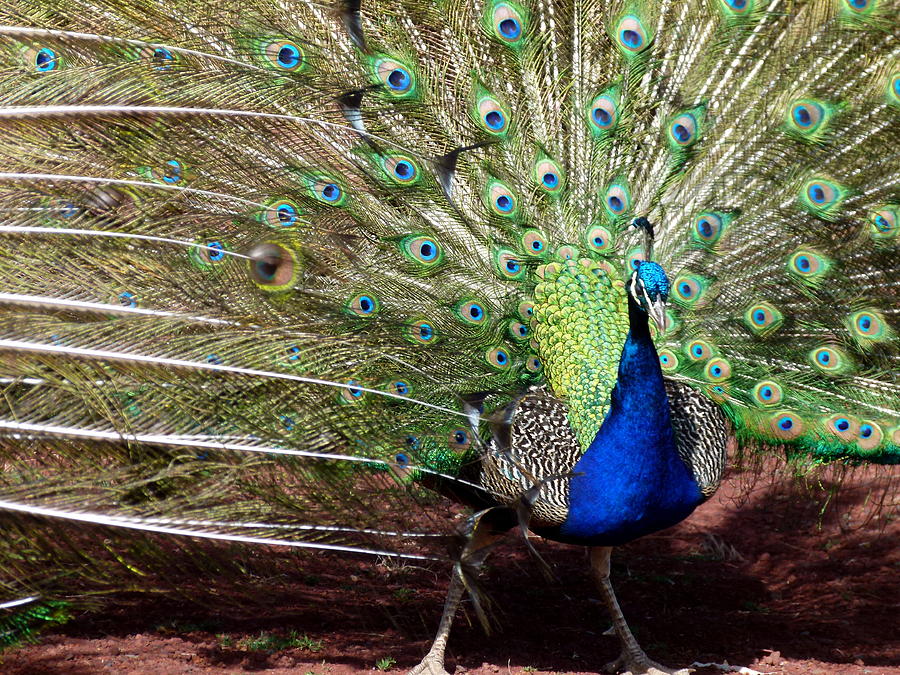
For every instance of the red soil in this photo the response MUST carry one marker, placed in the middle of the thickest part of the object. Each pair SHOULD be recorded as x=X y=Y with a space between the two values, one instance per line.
x=765 y=581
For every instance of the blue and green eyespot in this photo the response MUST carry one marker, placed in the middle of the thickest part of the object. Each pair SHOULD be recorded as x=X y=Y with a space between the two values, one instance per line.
x=364 y=304
x=767 y=393
x=397 y=78
x=534 y=243
x=630 y=36
x=603 y=113
x=283 y=54
x=762 y=318
x=507 y=22
x=491 y=115
x=422 y=249
x=500 y=199
x=401 y=169
x=709 y=226
x=208 y=253
x=822 y=197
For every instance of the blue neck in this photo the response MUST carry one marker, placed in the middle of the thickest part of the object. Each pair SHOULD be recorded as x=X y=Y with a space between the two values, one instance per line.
x=632 y=481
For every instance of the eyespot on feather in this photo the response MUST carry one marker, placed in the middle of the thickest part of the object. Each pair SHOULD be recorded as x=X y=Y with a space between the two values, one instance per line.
x=737 y=8
x=534 y=243
x=494 y=118
x=617 y=200
x=843 y=426
x=708 y=227
x=273 y=267
x=501 y=200
x=829 y=360
x=498 y=358
x=281 y=213
x=508 y=265
x=763 y=318
x=460 y=439
x=822 y=197
x=42 y=59
x=549 y=176
x=683 y=130
x=364 y=304
x=630 y=36
x=688 y=289
x=351 y=394
x=868 y=326
x=518 y=330
x=699 y=350
x=327 y=190
x=508 y=23
x=284 y=55
x=717 y=370
x=567 y=252
x=399 y=387
x=668 y=361
x=421 y=331
x=805 y=117
x=471 y=312
x=422 y=249
x=870 y=435
x=533 y=364
x=401 y=169
x=603 y=113
x=883 y=223
x=786 y=425
x=208 y=253
x=808 y=266
x=767 y=393
x=599 y=239
x=398 y=78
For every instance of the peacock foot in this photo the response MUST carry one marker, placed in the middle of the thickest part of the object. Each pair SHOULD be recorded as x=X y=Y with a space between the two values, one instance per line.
x=640 y=664
x=432 y=664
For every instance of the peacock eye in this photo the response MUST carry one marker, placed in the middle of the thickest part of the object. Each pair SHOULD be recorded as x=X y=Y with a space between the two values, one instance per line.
x=363 y=305
x=459 y=439
x=395 y=76
x=216 y=251
x=422 y=332
x=128 y=299
x=46 y=60
x=498 y=358
x=683 y=129
x=631 y=34
x=272 y=267
x=617 y=200
x=284 y=55
x=471 y=312
x=603 y=113
x=548 y=175
x=330 y=192
x=162 y=58
x=508 y=23
x=400 y=388
x=533 y=242
x=492 y=115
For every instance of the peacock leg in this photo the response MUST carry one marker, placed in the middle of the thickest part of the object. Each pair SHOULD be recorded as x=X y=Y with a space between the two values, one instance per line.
x=485 y=529
x=433 y=663
x=632 y=660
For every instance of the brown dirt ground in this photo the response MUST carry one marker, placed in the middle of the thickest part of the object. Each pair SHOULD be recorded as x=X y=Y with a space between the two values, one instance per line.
x=758 y=577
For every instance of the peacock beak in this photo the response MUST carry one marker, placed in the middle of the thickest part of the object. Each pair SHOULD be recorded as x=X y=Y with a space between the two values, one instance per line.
x=657 y=311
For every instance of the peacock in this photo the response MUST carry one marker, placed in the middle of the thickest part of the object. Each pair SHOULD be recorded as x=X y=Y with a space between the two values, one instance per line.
x=296 y=273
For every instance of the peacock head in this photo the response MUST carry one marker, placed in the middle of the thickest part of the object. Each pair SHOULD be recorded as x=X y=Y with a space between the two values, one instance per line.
x=649 y=289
